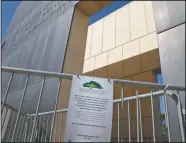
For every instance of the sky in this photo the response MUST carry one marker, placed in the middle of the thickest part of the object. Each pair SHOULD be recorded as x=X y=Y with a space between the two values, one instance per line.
x=9 y=7
x=107 y=10
x=8 y=10
x=160 y=80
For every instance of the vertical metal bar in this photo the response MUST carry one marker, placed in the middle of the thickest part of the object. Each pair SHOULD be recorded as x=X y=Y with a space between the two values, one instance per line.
x=137 y=109
x=46 y=129
x=38 y=121
x=37 y=109
x=180 y=117
x=8 y=136
x=39 y=125
x=6 y=93
x=57 y=97
x=30 y=127
x=17 y=131
x=56 y=129
x=44 y=132
x=164 y=111
x=26 y=129
x=21 y=134
x=6 y=111
x=153 y=125
x=122 y=112
x=118 y=122
x=29 y=122
x=166 y=115
x=19 y=128
x=129 y=126
x=141 y=126
x=61 y=126
x=20 y=106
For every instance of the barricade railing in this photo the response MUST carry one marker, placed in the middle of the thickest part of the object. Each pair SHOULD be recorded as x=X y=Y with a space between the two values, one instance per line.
x=41 y=126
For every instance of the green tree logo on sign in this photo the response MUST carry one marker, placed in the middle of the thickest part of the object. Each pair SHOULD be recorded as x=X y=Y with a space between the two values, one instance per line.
x=92 y=84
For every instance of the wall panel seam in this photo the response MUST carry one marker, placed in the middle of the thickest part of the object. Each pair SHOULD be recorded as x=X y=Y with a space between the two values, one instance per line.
x=69 y=33
x=123 y=44
x=171 y=28
x=102 y=36
x=129 y=23
x=145 y=16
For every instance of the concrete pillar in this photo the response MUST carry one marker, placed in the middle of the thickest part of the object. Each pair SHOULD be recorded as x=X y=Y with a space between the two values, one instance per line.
x=170 y=27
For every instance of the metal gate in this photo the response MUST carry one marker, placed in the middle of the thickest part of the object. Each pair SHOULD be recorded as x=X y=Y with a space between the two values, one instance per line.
x=49 y=126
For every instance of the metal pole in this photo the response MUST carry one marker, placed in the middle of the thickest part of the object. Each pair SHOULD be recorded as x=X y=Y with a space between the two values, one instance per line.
x=57 y=97
x=180 y=117
x=17 y=131
x=46 y=128
x=137 y=109
x=26 y=129
x=153 y=126
x=55 y=135
x=6 y=93
x=122 y=112
x=140 y=96
x=61 y=126
x=43 y=127
x=37 y=109
x=11 y=125
x=129 y=126
x=166 y=115
x=118 y=122
x=22 y=123
x=38 y=124
x=141 y=126
x=4 y=119
x=20 y=106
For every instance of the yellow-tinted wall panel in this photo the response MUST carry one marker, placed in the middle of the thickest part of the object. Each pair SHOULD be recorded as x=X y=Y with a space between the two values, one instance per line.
x=115 y=55
x=131 y=49
x=88 y=43
x=148 y=43
x=101 y=60
x=97 y=38
x=131 y=27
x=149 y=16
x=89 y=65
x=109 y=32
x=138 y=26
x=122 y=26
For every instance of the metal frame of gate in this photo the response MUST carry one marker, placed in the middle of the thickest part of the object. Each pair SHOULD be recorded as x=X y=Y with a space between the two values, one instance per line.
x=39 y=127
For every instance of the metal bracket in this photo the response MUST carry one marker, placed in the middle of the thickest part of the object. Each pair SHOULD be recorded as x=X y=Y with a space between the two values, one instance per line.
x=109 y=80
x=78 y=77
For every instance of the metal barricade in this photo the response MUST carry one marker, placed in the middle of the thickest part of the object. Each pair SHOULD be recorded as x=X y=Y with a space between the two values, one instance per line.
x=49 y=126
x=8 y=128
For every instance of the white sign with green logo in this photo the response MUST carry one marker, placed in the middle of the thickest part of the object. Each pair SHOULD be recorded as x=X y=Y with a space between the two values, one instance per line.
x=89 y=116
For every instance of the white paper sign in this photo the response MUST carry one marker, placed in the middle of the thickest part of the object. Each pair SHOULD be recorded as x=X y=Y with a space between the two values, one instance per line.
x=89 y=116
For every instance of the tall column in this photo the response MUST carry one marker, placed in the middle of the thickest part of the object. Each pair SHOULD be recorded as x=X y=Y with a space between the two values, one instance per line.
x=170 y=26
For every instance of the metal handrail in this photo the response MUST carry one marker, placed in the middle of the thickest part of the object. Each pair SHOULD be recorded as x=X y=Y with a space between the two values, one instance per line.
x=69 y=76
x=158 y=93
